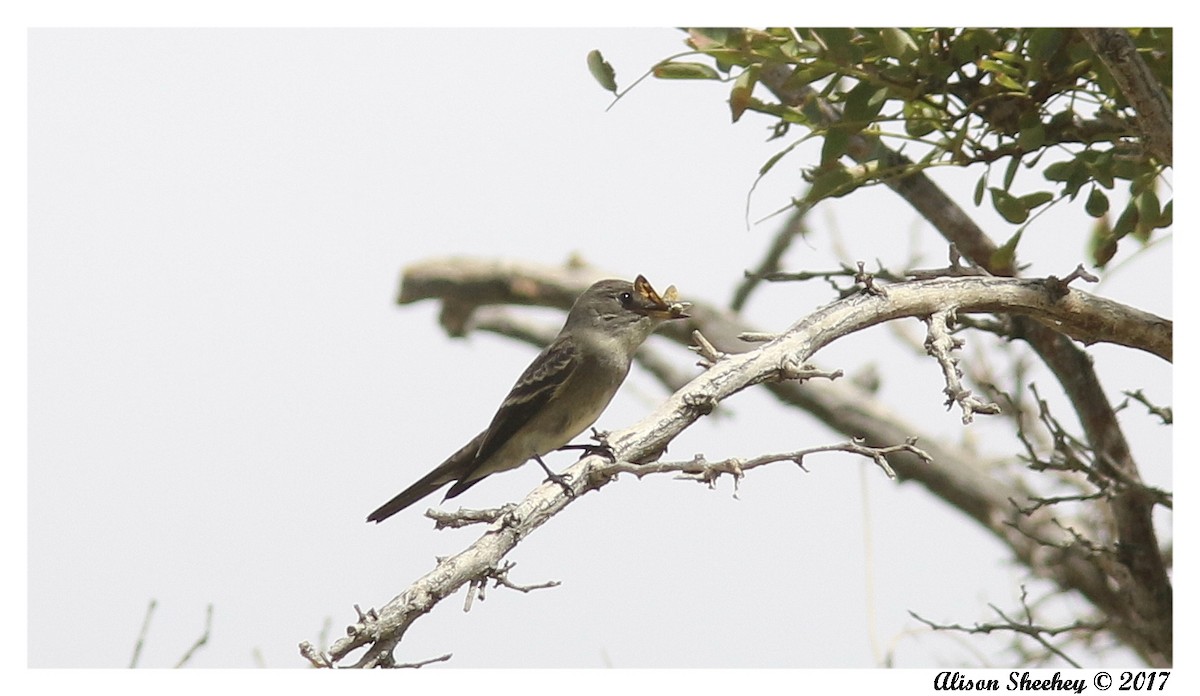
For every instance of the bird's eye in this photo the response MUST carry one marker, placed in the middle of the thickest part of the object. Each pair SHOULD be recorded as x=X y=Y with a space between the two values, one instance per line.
x=625 y=298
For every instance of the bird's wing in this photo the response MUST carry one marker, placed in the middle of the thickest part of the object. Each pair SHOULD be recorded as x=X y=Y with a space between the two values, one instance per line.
x=544 y=377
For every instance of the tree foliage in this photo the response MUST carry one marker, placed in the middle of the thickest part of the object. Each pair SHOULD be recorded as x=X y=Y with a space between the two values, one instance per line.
x=1010 y=99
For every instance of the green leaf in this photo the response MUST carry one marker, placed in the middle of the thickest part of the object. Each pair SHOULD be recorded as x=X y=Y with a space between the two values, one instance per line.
x=743 y=88
x=838 y=44
x=835 y=143
x=1044 y=43
x=1062 y=120
x=707 y=38
x=1060 y=171
x=997 y=68
x=1032 y=138
x=898 y=43
x=1097 y=203
x=678 y=70
x=831 y=182
x=1033 y=200
x=920 y=119
x=814 y=71
x=1073 y=173
x=1009 y=206
x=1010 y=172
x=602 y=71
x=1006 y=255
x=1148 y=209
x=1100 y=166
x=980 y=187
x=1006 y=81
x=863 y=104
x=1103 y=243
x=1127 y=222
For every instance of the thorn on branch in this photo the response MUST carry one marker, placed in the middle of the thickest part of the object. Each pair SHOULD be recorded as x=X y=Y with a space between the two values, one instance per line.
x=709 y=355
x=792 y=369
x=867 y=280
x=758 y=337
x=1058 y=288
x=700 y=403
x=316 y=658
x=364 y=621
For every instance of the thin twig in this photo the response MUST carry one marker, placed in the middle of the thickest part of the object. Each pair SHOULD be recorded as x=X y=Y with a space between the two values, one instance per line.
x=201 y=641
x=700 y=469
x=141 y=639
x=422 y=663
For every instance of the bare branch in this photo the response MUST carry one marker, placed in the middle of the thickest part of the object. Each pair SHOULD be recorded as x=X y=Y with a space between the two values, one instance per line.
x=201 y=641
x=700 y=469
x=1073 y=455
x=1164 y=413
x=141 y=639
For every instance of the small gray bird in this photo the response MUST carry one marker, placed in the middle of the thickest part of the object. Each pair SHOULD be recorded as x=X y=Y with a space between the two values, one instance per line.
x=562 y=392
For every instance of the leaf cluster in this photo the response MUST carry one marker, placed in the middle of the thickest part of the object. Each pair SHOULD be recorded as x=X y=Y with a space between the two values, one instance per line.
x=1006 y=99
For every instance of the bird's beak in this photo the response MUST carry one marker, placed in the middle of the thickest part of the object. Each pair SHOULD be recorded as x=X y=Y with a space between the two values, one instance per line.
x=655 y=306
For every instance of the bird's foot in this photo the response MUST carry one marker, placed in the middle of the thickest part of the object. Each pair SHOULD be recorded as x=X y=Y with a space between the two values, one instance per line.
x=560 y=479
x=601 y=447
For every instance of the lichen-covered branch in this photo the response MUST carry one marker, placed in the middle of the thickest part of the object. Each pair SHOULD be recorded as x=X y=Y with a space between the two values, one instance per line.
x=952 y=475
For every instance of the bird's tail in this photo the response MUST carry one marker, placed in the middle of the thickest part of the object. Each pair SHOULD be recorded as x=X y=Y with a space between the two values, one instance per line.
x=455 y=467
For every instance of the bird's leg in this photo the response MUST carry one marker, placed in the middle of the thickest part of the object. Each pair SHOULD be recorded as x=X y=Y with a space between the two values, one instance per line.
x=601 y=447
x=560 y=479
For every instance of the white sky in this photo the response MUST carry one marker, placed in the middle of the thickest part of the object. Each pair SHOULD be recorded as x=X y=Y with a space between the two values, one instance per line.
x=221 y=386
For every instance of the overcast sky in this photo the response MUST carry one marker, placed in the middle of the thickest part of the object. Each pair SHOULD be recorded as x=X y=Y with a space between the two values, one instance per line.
x=221 y=386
